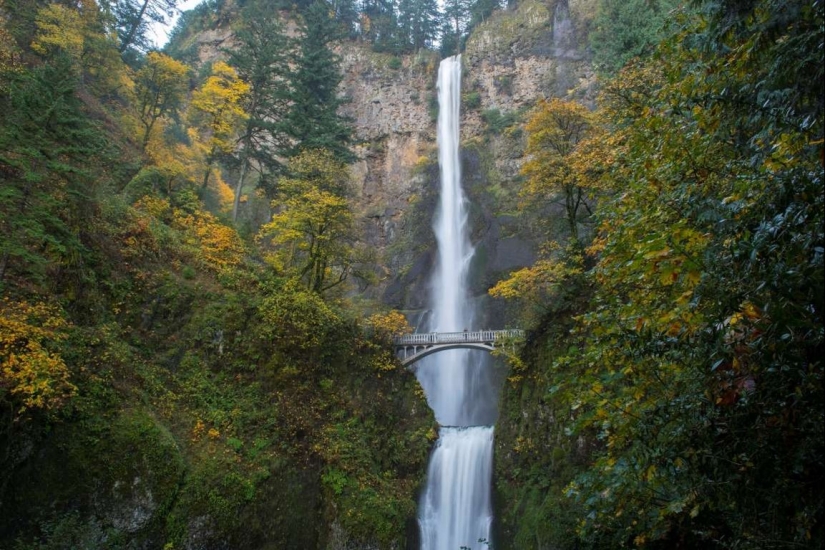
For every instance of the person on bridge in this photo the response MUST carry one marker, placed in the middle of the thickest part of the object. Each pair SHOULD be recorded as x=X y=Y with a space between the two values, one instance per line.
x=465 y=334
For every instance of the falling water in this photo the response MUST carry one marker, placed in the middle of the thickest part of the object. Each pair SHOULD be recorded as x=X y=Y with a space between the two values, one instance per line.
x=455 y=509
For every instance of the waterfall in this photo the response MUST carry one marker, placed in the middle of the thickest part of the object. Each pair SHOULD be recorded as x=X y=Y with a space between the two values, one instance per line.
x=455 y=509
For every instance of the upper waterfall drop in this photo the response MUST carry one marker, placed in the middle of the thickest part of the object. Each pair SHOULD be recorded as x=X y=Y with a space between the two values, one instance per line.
x=450 y=226
x=455 y=509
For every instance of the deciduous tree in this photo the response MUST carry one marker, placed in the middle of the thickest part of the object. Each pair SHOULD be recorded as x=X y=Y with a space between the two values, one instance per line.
x=312 y=232
x=217 y=113
x=160 y=88
x=33 y=375
x=556 y=130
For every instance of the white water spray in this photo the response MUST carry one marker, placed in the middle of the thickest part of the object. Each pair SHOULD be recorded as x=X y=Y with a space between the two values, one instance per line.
x=455 y=509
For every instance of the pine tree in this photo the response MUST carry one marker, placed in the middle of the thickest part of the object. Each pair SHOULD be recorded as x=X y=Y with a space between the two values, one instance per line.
x=454 y=26
x=346 y=13
x=46 y=145
x=419 y=23
x=480 y=11
x=261 y=60
x=313 y=121
x=380 y=25
x=132 y=20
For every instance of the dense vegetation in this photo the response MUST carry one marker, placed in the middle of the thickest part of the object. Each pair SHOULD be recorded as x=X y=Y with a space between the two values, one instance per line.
x=180 y=365
x=671 y=395
x=169 y=379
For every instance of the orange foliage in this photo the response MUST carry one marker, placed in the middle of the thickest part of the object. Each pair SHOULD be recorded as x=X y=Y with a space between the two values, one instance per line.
x=218 y=245
x=389 y=325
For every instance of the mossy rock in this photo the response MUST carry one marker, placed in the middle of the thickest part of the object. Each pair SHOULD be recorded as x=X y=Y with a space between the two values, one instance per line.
x=112 y=476
x=510 y=32
x=227 y=504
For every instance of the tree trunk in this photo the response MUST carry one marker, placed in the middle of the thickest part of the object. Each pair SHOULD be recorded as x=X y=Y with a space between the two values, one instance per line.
x=239 y=187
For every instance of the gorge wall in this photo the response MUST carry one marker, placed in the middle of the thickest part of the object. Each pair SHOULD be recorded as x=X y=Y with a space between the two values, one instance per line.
x=533 y=51
x=537 y=49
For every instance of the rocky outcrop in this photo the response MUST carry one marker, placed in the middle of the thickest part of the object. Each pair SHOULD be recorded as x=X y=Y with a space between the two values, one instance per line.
x=511 y=60
x=519 y=55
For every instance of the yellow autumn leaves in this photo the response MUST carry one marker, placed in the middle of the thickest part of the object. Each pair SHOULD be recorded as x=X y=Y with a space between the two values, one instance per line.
x=33 y=375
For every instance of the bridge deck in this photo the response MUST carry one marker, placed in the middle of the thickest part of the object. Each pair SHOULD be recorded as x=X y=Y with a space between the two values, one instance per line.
x=472 y=337
x=412 y=347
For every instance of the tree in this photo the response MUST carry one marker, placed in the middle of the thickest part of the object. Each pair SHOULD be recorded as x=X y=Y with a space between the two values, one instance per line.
x=456 y=17
x=556 y=130
x=33 y=375
x=313 y=121
x=704 y=338
x=624 y=29
x=46 y=148
x=419 y=23
x=546 y=286
x=133 y=18
x=80 y=33
x=217 y=113
x=160 y=88
x=312 y=230
x=261 y=58
x=481 y=10
x=380 y=24
x=346 y=13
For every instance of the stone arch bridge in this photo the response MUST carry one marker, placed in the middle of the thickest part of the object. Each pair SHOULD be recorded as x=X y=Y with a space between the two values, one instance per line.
x=412 y=347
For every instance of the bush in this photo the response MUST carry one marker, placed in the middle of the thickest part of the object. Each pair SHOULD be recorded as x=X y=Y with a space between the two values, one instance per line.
x=497 y=121
x=471 y=100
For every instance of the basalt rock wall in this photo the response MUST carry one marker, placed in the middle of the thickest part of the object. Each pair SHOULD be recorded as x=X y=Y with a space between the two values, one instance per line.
x=518 y=56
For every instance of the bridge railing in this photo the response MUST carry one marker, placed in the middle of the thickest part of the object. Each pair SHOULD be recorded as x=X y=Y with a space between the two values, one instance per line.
x=484 y=336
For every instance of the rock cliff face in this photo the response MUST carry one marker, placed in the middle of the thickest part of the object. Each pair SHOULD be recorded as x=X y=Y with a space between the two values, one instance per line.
x=511 y=60
x=534 y=50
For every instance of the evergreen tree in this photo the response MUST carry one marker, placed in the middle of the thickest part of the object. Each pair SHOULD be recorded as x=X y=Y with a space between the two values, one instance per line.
x=418 y=21
x=132 y=20
x=480 y=11
x=346 y=13
x=46 y=143
x=456 y=16
x=312 y=121
x=380 y=25
x=261 y=60
x=624 y=29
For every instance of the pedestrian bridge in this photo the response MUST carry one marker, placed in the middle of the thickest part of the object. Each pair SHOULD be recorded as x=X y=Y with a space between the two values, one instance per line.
x=412 y=347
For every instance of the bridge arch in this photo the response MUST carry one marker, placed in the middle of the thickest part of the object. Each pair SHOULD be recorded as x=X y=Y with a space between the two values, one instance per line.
x=413 y=347
x=417 y=355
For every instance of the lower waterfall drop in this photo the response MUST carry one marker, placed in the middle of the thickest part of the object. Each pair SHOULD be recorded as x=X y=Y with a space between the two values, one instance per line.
x=455 y=510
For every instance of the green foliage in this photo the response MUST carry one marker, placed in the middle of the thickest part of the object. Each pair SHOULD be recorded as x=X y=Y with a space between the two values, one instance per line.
x=312 y=121
x=697 y=354
x=261 y=59
x=46 y=146
x=160 y=388
x=626 y=29
x=132 y=21
x=419 y=23
x=497 y=122
x=471 y=101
